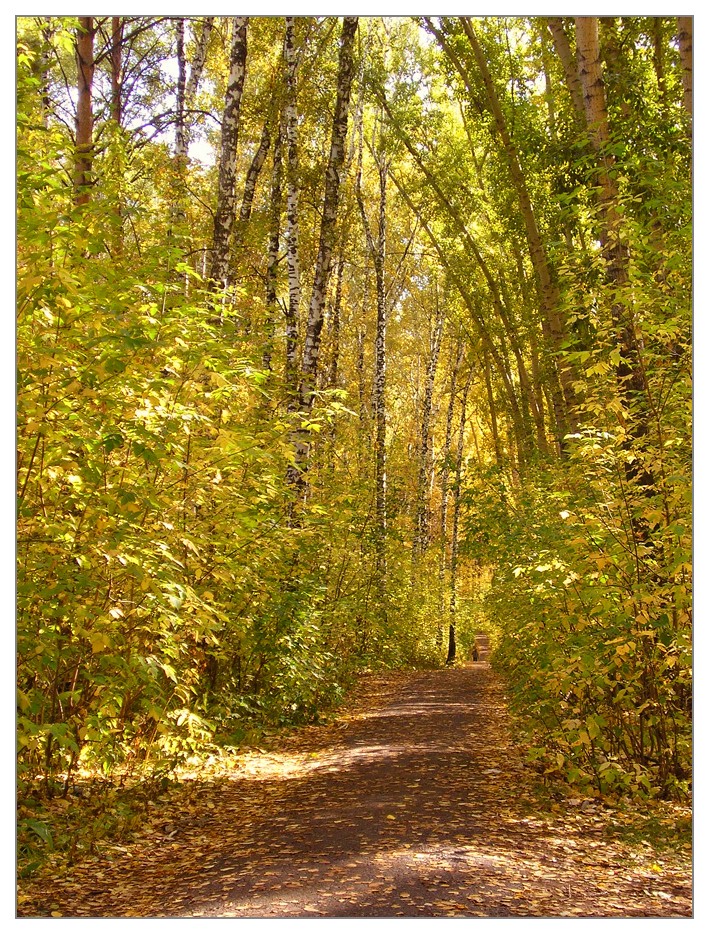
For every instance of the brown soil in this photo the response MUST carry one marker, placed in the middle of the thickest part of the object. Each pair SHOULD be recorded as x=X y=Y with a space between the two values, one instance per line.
x=414 y=803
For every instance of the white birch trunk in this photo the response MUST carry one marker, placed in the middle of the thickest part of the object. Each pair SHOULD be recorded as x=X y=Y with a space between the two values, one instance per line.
x=226 y=197
x=292 y=231
x=311 y=346
x=453 y=605
x=422 y=507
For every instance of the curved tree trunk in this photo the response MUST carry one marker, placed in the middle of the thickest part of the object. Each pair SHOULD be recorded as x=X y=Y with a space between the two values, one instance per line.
x=252 y=177
x=549 y=298
x=199 y=58
x=562 y=46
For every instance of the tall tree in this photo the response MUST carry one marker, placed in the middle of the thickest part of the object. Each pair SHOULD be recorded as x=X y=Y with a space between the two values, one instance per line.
x=292 y=312
x=117 y=27
x=445 y=489
x=180 y=128
x=84 y=109
x=684 y=38
x=629 y=369
x=377 y=251
x=549 y=298
x=311 y=345
x=274 y=234
x=453 y=596
x=226 y=195
x=422 y=518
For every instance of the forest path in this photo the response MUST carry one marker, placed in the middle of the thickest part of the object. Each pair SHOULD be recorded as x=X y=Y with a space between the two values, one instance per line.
x=414 y=803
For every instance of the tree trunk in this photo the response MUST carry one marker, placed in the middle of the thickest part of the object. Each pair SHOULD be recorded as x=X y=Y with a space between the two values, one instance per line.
x=180 y=128
x=186 y=89
x=252 y=176
x=549 y=298
x=421 y=534
x=493 y=414
x=377 y=250
x=334 y=374
x=292 y=230
x=273 y=248
x=362 y=435
x=629 y=370
x=453 y=606
x=566 y=57
x=658 y=57
x=311 y=346
x=226 y=197
x=84 y=109
x=40 y=67
x=199 y=58
x=444 y=475
x=116 y=66
x=684 y=37
x=117 y=24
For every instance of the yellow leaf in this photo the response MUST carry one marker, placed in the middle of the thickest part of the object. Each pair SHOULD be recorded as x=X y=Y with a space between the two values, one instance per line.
x=390 y=817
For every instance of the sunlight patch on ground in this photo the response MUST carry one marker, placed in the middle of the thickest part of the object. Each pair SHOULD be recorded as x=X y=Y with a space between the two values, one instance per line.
x=283 y=766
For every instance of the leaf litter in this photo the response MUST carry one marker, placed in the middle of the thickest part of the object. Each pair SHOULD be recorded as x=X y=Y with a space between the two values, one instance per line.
x=415 y=802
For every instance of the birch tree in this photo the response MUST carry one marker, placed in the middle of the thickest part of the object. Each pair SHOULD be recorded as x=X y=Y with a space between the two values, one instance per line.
x=453 y=585
x=226 y=194
x=292 y=311
x=377 y=251
x=311 y=345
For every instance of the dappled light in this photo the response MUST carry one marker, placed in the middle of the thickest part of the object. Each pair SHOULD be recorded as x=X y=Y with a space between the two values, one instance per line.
x=354 y=465
x=389 y=811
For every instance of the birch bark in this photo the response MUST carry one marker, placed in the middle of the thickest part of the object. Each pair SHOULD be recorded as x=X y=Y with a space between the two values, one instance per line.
x=226 y=197
x=311 y=346
x=274 y=234
x=453 y=604
x=180 y=129
x=323 y=264
x=377 y=251
x=421 y=535
x=292 y=230
x=199 y=58
x=445 y=491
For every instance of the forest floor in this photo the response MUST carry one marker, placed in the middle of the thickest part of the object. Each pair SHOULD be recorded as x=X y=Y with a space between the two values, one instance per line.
x=414 y=802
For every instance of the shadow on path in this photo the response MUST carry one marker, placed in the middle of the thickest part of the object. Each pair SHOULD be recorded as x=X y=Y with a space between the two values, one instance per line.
x=417 y=807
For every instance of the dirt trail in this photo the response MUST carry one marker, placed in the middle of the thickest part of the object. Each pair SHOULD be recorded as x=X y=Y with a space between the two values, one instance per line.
x=415 y=804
